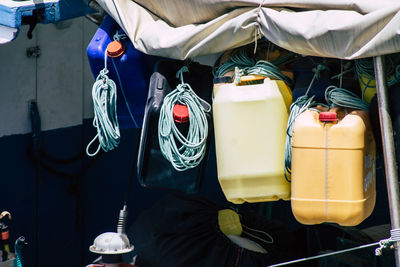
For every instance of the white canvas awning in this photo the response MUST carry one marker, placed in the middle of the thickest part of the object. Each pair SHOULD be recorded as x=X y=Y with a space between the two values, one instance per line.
x=183 y=29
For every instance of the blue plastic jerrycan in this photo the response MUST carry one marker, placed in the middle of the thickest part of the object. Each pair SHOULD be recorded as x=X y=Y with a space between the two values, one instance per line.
x=130 y=71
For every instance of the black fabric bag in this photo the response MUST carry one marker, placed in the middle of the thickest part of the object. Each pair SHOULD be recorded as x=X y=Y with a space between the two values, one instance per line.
x=153 y=170
x=182 y=230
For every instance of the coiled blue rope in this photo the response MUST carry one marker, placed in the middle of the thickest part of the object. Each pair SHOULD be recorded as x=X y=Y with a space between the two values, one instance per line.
x=104 y=95
x=19 y=243
x=191 y=148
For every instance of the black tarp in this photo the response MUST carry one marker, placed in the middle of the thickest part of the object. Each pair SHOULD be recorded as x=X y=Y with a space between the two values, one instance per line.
x=182 y=230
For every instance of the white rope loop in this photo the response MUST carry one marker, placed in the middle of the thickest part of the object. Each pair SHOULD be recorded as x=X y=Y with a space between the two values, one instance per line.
x=191 y=148
x=119 y=36
x=270 y=239
x=395 y=235
x=385 y=243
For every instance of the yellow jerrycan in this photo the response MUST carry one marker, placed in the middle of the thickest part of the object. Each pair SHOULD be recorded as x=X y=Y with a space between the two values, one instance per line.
x=368 y=87
x=250 y=130
x=333 y=167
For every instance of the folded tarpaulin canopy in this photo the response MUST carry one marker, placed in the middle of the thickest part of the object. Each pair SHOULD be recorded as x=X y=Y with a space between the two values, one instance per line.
x=182 y=29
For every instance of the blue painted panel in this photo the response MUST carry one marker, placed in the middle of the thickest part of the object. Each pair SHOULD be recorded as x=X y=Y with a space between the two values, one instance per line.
x=68 y=9
x=51 y=11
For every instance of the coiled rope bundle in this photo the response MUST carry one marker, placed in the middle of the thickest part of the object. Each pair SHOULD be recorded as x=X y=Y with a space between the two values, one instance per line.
x=191 y=148
x=296 y=108
x=104 y=95
x=365 y=72
x=245 y=65
x=339 y=97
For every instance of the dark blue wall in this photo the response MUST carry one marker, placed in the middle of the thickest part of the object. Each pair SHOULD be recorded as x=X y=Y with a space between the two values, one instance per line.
x=75 y=206
x=78 y=200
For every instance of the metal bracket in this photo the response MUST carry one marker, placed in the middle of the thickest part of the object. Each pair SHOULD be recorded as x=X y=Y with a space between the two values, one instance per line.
x=33 y=52
x=12 y=13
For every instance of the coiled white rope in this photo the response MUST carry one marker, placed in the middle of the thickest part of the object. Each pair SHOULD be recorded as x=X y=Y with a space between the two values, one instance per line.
x=104 y=95
x=191 y=150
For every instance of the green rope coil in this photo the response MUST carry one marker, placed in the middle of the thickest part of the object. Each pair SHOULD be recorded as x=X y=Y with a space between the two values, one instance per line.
x=249 y=66
x=296 y=108
x=339 y=97
x=238 y=59
x=104 y=95
x=365 y=72
x=268 y=69
x=191 y=148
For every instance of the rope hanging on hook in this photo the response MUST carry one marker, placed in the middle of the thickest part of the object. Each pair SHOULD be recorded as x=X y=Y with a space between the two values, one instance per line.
x=191 y=148
x=104 y=95
x=296 y=108
x=248 y=65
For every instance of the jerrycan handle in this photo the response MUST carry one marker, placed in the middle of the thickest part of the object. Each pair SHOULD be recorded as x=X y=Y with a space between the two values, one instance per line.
x=283 y=88
x=248 y=79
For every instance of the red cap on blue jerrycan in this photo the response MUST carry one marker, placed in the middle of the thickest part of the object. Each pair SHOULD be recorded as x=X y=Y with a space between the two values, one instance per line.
x=328 y=116
x=181 y=113
x=115 y=49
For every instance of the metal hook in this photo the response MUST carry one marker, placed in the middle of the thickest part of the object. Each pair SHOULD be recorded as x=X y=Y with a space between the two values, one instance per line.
x=5 y=213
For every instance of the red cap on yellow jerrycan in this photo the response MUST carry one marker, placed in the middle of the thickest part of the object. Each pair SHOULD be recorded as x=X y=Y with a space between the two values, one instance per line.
x=115 y=49
x=181 y=113
x=328 y=116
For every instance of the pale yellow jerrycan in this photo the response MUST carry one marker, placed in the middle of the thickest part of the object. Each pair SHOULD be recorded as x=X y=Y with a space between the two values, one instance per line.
x=250 y=130
x=333 y=167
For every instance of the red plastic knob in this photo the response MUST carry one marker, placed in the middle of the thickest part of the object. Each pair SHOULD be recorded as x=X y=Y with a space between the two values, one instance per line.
x=115 y=49
x=328 y=116
x=181 y=113
x=5 y=235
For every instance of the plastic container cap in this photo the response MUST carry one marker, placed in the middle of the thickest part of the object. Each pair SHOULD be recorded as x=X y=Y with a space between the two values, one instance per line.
x=328 y=116
x=181 y=113
x=115 y=49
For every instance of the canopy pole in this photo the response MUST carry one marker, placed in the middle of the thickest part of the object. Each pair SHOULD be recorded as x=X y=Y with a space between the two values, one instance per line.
x=389 y=155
